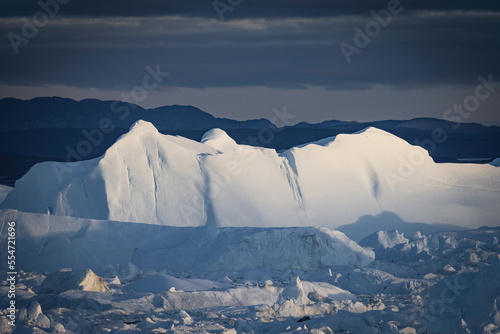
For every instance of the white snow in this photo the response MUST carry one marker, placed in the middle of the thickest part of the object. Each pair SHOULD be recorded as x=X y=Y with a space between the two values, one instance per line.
x=219 y=140
x=302 y=292
x=152 y=178
x=162 y=282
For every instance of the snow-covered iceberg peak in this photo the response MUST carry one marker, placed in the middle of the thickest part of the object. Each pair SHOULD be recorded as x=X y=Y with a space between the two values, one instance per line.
x=371 y=130
x=149 y=177
x=143 y=126
x=219 y=140
x=367 y=139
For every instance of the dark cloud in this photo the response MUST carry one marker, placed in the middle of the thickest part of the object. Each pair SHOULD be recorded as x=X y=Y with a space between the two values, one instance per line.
x=426 y=48
x=419 y=65
x=247 y=8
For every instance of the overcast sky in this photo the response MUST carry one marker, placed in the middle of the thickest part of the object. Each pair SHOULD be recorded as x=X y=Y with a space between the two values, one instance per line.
x=424 y=58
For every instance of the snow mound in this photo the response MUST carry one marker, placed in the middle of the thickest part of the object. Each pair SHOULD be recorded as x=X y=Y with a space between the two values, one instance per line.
x=152 y=178
x=219 y=140
x=161 y=282
x=302 y=292
x=294 y=291
x=85 y=280
x=384 y=239
x=301 y=298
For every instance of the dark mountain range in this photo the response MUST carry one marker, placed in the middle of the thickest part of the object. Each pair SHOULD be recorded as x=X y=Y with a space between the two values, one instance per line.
x=60 y=113
x=59 y=129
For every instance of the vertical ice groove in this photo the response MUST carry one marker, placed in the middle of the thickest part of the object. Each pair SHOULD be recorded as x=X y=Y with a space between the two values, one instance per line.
x=125 y=165
x=291 y=174
x=373 y=180
x=129 y=184
x=208 y=204
x=154 y=176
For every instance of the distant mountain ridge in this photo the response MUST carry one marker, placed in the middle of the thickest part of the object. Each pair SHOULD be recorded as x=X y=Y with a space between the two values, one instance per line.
x=64 y=113
x=420 y=123
x=47 y=128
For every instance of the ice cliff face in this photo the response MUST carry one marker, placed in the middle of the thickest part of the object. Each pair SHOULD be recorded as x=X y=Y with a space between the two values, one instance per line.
x=160 y=179
x=51 y=243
